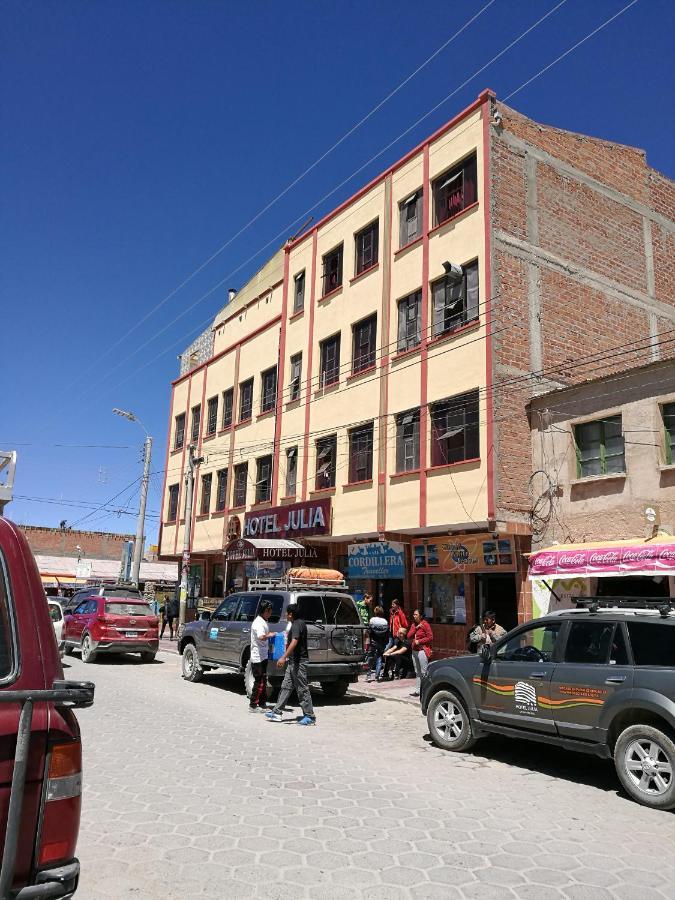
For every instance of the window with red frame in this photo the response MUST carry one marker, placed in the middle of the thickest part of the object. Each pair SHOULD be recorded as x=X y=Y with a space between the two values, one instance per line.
x=361 y=453
x=454 y=190
x=240 y=484
x=263 y=480
x=179 y=432
x=364 y=336
x=245 y=400
x=221 y=489
x=291 y=471
x=410 y=219
x=326 y=458
x=296 y=375
x=268 y=396
x=408 y=441
x=212 y=416
x=332 y=270
x=196 y=422
x=228 y=406
x=454 y=429
x=173 y=503
x=330 y=361
x=455 y=300
x=367 y=247
x=206 y=494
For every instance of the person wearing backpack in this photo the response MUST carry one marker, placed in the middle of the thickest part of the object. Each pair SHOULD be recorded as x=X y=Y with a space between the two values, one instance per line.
x=421 y=638
x=379 y=640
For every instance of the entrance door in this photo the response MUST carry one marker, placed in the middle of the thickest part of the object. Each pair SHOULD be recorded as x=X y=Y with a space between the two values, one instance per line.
x=498 y=593
x=387 y=590
x=510 y=689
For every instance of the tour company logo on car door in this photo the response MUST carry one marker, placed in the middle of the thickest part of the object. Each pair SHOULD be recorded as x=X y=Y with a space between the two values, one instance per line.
x=526 y=697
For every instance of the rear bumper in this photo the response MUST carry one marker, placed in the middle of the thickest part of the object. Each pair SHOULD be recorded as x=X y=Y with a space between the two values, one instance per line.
x=335 y=671
x=60 y=882
x=126 y=646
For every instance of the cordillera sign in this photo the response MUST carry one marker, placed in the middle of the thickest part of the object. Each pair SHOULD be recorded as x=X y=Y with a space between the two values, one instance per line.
x=296 y=520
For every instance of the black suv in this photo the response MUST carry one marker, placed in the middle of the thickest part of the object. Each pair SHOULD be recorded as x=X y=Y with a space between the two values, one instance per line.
x=598 y=679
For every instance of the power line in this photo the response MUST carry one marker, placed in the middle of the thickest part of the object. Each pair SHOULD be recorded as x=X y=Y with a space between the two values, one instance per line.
x=70 y=446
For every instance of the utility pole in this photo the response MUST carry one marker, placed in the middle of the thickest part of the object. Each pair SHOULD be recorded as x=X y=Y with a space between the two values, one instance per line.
x=193 y=462
x=140 y=527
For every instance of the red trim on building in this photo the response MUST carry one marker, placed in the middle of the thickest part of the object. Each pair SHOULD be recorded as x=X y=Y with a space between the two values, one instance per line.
x=424 y=357
x=182 y=458
x=384 y=364
x=409 y=245
x=308 y=381
x=489 y=398
x=280 y=379
x=453 y=218
x=198 y=478
x=365 y=272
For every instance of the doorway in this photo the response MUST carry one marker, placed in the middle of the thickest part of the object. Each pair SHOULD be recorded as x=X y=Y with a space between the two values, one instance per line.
x=498 y=593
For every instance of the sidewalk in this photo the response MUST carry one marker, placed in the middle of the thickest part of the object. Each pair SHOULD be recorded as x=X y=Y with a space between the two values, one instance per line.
x=386 y=690
x=167 y=645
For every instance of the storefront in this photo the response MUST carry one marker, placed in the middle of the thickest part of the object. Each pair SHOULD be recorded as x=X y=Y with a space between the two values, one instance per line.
x=632 y=568
x=268 y=558
x=377 y=567
x=458 y=577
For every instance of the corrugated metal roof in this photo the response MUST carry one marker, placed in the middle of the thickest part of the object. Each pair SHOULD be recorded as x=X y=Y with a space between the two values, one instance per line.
x=107 y=569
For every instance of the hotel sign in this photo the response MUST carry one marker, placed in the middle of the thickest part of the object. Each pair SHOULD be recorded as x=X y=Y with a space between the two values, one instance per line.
x=296 y=520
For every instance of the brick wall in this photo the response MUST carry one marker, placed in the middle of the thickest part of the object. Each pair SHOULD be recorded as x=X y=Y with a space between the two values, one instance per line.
x=55 y=542
x=583 y=243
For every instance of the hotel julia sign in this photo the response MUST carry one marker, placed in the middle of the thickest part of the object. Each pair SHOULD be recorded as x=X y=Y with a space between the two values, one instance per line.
x=296 y=520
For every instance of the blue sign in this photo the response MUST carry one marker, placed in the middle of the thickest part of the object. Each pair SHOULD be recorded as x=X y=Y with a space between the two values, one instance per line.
x=381 y=559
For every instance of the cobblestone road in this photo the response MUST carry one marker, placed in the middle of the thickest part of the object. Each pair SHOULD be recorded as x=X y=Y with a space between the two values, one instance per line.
x=187 y=795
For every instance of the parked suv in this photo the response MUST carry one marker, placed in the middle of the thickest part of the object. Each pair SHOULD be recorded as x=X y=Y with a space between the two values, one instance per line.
x=40 y=749
x=335 y=637
x=599 y=679
x=103 y=624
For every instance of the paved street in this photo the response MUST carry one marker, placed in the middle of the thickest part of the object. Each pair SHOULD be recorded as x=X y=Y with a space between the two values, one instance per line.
x=187 y=795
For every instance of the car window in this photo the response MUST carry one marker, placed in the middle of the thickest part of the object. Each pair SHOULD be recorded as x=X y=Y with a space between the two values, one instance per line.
x=6 y=639
x=310 y=608
x=55 y=612
x=589 y=642
x=340 y=610
x=128 y=609
x=92 y=607
x=619 y=652
x=653 y=643
x=277 y=602
x=535 y=644
x=81 y=609
x=227 y=608
x=247 y=608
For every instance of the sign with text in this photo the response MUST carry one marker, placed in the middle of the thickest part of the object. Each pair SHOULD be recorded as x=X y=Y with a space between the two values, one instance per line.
x=381 y=560
x=295 y=520
x=464 y=553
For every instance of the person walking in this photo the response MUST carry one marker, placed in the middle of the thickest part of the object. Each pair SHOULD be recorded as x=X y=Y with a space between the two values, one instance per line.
x=260 y=634
x=295 y=659
x=169 y=614
x=379 y=641
x=487 y=633
x=421 y=638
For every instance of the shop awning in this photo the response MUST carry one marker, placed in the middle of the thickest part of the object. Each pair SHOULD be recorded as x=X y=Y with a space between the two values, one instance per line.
x=655 y=556
x=243 y=549
x=49 y=581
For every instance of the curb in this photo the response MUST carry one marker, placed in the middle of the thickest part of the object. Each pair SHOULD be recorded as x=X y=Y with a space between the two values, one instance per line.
x=412 y=701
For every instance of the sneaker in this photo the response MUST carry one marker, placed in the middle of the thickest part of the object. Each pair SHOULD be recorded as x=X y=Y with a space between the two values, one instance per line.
x=307 y=720
x=414 y=694
x=255 y=709
x=272 y=716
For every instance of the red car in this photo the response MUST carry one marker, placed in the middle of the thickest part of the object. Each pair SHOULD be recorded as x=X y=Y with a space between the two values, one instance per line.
x=40 y=749
x=111 y=625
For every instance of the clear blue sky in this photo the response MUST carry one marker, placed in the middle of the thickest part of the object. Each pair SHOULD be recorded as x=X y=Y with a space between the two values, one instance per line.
x=137 y=137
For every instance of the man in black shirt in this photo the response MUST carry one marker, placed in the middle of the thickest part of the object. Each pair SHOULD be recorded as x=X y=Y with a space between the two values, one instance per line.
x=295 y=659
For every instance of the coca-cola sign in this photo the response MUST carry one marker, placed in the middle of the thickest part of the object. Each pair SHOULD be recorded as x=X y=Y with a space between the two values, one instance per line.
x=645 y=559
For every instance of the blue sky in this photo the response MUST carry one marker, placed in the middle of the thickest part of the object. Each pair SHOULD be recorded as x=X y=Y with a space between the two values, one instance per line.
x=138 y=137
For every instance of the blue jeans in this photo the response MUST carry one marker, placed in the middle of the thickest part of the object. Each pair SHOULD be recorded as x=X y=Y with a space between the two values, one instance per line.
x=376 y=659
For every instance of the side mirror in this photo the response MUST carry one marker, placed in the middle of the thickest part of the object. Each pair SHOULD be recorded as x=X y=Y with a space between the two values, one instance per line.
x=486 y=653
x=205 y=616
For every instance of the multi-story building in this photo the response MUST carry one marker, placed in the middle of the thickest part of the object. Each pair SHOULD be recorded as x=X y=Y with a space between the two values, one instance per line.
x=366 y=393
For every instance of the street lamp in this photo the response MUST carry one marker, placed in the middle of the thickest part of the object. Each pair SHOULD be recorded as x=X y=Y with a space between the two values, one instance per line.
x=140 y=527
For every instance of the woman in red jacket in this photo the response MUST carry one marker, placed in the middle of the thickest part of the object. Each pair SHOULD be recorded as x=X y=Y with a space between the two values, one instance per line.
x=421 y=638
x=397 y=620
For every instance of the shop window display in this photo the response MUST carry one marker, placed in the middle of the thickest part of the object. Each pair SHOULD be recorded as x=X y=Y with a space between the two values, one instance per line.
x=445 y=596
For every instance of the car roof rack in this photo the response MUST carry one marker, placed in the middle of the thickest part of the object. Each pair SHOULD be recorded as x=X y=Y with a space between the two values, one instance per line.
x=287 y=584
x=664 y=605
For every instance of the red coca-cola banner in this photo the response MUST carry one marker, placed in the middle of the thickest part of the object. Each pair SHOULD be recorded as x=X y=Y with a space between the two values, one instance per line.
x=646 y=559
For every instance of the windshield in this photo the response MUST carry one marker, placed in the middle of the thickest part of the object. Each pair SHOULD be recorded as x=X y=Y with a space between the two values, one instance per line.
x=330 y=609
x=122 y=592
x=128 y=609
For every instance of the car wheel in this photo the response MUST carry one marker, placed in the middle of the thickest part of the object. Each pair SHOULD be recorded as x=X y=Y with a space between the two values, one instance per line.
x=192 y=671
x=644 y=758
x=87 y=650
x=449 y=722
x=148 y=656
x=335 y=689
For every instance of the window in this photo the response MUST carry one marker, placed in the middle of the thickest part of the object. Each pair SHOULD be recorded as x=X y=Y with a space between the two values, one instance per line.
x=326 y=454
x=299 y=292
x=173 y=503
x=240 y=484
x=291 y=471
x=330 y=360
x=212 y=416
x=296 y=375
x=277 y=602
x=408 y=441
x=533 y=645
x=268 y=397
x=332 y=270
x=409 y=321
x=245 y=400
x=364 y=336
x=179 y=432
x=206 y=494
x=340 y=611
x=589 y=642
x=410 y=211
x=599 y=446
x=7 y=641
x=367 y=247
x=227 y=609
x=228 y=405
x=196 y=422
x=221 y=489
x=653 y=643
x=361 y=454
x=247 y=608
x=454 y=429
x=455 y=300
x=668 y=413
x=263 y=480
x=454 y=190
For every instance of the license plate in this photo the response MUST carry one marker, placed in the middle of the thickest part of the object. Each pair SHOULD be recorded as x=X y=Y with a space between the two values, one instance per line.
x=131 y=633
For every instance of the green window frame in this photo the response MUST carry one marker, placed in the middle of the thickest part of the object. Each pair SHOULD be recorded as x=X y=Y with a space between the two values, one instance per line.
x=600 y=447
x=668 y=415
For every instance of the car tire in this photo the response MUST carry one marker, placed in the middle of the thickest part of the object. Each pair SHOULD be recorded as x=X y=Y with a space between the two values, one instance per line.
x=148 y=656
x=449 y=722
x=644 y=758
x=190 y=667
x=335 y=689
x=86 y=650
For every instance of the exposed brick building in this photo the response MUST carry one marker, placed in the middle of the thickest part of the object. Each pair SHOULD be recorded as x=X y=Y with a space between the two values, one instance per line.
x=63 y=542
